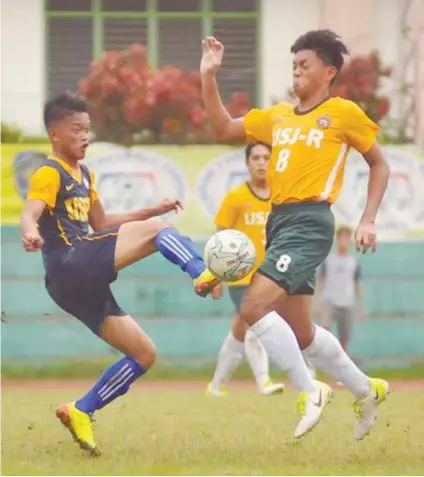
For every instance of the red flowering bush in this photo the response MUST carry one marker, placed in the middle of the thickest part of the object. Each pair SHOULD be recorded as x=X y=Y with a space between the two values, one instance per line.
x=129 y=102
x=360 y=81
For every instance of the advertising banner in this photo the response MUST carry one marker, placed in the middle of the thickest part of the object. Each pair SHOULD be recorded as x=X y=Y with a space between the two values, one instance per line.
x=200 y=176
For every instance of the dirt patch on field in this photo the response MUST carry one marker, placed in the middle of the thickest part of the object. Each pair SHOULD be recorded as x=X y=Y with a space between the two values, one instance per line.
x=43 y=385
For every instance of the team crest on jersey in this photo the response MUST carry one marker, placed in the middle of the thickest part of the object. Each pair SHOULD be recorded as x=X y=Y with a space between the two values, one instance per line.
x=402 y=209
x=218 y=177
x=324 y=121
x=129 y=179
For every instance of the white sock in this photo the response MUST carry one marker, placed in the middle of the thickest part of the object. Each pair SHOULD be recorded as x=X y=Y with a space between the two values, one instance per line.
x=257 y=357
x=326 y=353
x=229 y=358
x=281 y=346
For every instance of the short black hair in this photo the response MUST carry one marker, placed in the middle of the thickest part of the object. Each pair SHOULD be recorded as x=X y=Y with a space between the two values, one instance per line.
x=63 y=105
x=326 y=44
x=251 y=145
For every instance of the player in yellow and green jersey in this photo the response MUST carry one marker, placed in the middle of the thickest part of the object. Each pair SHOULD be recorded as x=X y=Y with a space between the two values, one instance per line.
x=310 y=143
x=245 y=208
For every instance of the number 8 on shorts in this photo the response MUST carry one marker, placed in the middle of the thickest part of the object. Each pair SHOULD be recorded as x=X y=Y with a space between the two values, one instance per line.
x=283 y=263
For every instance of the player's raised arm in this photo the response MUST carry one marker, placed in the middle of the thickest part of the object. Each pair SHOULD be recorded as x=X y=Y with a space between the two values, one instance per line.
x=224 y=127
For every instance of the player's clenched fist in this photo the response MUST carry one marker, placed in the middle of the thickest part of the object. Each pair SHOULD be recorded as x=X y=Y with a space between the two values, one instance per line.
x=32 y=241
x=212 y=54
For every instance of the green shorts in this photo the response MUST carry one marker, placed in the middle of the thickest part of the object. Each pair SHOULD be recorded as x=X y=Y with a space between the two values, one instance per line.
x=236 y=295
x=299 y=238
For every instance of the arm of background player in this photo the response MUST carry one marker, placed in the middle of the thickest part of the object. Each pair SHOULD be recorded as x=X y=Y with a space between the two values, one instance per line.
x=226 y=216
x=224 y=127
x=377 y=183
x=359 y=294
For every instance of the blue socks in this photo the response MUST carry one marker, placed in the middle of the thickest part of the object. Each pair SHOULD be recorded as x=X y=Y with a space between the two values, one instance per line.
x=114 y=382
x=180 y=250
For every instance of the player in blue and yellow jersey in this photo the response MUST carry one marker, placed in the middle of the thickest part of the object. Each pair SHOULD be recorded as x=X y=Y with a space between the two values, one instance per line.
x=61 y=204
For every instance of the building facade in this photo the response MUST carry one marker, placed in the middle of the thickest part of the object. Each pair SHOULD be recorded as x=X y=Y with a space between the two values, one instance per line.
x=48 y=45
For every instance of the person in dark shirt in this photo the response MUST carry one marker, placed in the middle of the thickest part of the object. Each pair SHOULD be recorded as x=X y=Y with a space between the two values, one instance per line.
x=62 y=203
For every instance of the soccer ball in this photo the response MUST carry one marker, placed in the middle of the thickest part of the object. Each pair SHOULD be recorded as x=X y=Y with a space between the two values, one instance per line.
x=230 y=255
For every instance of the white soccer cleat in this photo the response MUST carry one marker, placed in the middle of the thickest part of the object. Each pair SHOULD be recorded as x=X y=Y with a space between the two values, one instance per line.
x=310 y=406
x=366 y=409
x=269 y=388
x=220 y=391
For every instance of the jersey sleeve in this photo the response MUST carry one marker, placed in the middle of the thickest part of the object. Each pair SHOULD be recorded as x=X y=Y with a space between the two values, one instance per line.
x=359 y=130
x=226 y=216
x=94 y=196
x=44 y=185
x=322 y=270
x=258 y=125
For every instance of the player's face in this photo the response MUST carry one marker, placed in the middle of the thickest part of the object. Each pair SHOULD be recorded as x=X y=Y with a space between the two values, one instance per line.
x=258 y=162
x=310 y=73
x=344 y=239
x=70 y=135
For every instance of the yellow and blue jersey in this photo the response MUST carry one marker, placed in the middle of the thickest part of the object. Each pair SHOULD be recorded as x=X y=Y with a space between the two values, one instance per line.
x=68 y=196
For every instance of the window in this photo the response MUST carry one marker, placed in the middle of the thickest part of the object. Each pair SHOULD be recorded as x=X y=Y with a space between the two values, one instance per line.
x=121 y=33
x=68 y=5
x=179 y=5
x=124 y=5
x=238 y=73
x=234 y=5
x=171 y=30
x=69 y=53
x=180 y=43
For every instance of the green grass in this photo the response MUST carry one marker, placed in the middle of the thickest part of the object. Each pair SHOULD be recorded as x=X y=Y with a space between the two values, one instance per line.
x=88 y=369
x=184 y=433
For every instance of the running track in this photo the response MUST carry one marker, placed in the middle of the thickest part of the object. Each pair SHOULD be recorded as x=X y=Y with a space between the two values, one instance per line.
x=43 y=385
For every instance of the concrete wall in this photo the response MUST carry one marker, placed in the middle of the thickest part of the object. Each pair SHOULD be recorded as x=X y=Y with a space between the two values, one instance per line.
x=184 y=325
x=364 y=25
x=22 y=63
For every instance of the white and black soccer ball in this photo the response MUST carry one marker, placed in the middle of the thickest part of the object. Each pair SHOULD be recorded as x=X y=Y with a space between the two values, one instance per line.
x=230 y=255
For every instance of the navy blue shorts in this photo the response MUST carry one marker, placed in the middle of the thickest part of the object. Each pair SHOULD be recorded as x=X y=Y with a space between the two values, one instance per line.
x=80 y=282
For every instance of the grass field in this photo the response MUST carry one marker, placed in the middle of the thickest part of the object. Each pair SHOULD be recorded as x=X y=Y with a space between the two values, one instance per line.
x=173 y=431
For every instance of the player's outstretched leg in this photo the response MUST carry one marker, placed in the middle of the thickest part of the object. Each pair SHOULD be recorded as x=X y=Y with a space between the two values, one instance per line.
x=280 y=343
x=237 y=343
x=124 y=334
x=137 y=240
x=327 y=354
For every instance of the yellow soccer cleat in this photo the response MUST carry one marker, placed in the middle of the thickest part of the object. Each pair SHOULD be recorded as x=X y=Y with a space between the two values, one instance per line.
x=211 y=390
x=80 y=426
x=366 y=409
x=310 y=406
x=270 y=388
x=205 y=283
